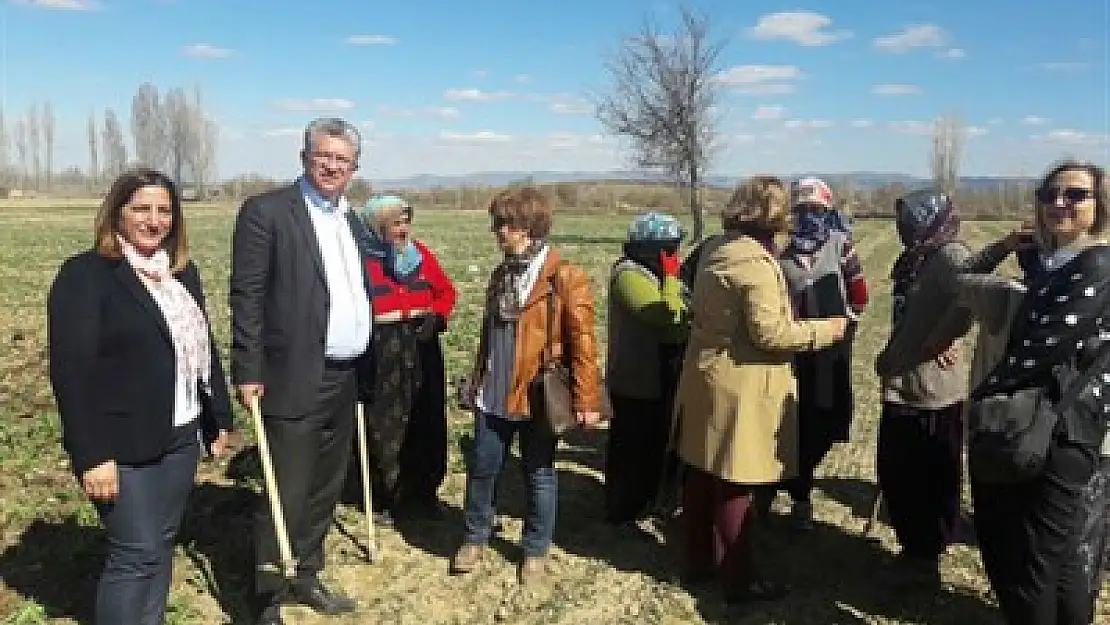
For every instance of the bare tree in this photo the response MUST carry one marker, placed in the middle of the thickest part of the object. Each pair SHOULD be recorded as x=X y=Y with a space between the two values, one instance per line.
x=5 y=153
x=48 y=140
x=947 y=153
x=21 y=149
x=206 y=135
x=148 y=127
x=661 y=98
x=115 y=150
x=94 y=152
x=179 y=136
x=33 y=136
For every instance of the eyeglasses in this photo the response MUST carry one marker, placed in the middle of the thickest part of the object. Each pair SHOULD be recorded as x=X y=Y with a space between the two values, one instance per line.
x=1071 y=195
x=325 y=158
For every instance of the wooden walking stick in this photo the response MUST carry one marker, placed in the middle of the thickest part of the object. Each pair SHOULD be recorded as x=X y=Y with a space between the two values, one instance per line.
x=285 y=550
x=364 y=462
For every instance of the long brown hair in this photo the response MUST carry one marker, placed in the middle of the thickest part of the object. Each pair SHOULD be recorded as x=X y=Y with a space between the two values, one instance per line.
x=106 y=227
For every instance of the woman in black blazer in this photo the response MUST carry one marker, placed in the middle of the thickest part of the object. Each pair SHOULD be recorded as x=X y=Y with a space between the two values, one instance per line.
x=138 y=384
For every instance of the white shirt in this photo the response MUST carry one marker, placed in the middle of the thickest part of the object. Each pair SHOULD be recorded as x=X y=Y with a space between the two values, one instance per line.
x=186 y=401
x=349 y=318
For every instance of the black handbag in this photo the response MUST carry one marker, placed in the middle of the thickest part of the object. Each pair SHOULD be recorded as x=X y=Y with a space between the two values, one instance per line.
x=1010 y=433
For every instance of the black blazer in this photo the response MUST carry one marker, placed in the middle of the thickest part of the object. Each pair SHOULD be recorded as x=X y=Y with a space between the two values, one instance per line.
x=279 y=300
x=112 y=364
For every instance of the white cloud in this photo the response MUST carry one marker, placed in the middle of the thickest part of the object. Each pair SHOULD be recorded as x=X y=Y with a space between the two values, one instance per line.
x=439 y=112
x=861 y=123
x=995 y=121
x=523 y=78
x=288 y=131
x=1034 y=120
x=912 y=38
x=477 y=95
x=804 y=28
x=744 y=138
x=482 y=136
x=371 y=40
x=315 y=105
x=769 y=111
x=807 y=124
x=445 y=112
x=575 y=140
x=911 y=127
x=581 y=107
x=61 y=5
x=481 y=73
x=1063 y=66
x=1070 y=137
x=953 y=54
x=976 y=131
x=891 y=89
x=760 y=79
x=206 y=51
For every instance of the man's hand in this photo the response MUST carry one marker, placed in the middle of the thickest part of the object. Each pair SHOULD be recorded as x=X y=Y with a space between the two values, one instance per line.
x=219 y=447
x=246 y=392
x=587 y=418
x=101 y=483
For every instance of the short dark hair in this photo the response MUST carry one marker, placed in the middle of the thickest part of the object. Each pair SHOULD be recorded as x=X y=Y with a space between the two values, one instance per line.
x=106 y=226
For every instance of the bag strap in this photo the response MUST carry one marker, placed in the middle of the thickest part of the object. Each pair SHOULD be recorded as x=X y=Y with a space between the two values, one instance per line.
x=1070 y=393
x=549 y=342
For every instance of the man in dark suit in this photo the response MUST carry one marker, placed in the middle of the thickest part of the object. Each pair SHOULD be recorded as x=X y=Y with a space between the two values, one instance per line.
x=301 y=319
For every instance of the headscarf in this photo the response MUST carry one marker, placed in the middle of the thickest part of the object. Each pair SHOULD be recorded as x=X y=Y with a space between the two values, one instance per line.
x=926 y=221
x=648 y=235
x=403 y=260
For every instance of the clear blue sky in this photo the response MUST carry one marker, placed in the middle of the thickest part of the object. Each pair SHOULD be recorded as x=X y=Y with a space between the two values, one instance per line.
x=455 y=87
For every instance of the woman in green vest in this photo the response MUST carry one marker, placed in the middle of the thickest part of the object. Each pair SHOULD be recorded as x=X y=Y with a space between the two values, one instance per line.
x=647 y=335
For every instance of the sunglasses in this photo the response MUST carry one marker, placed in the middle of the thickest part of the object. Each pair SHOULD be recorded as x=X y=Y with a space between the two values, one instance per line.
x=1072 y=195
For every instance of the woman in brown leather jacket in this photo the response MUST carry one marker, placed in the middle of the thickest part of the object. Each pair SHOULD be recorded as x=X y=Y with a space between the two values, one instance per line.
x=514 y=331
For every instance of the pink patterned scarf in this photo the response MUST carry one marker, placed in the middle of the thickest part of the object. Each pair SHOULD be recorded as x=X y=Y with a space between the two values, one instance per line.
x=188 y=327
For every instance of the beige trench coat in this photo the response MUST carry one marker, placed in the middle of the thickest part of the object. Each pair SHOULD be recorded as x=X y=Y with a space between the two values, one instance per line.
x=737 y=397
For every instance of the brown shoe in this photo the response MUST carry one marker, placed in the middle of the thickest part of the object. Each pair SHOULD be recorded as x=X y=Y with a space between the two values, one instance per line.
x=531 y=570
x=466 y=558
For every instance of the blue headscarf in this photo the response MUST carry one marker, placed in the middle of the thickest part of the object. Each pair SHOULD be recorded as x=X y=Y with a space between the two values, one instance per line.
x=402 y=261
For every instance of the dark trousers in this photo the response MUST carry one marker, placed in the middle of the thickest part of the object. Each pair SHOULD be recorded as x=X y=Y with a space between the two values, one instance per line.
x=920 y=473
x=1042 y=541
x=634 y=458
x=718 y=517
x=310 y=454
x=141 y=526
x=825 y=407
x=492 y=438
x=423 y=457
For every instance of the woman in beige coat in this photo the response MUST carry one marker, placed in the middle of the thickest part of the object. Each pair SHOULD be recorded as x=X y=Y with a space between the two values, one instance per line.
x=737 y=395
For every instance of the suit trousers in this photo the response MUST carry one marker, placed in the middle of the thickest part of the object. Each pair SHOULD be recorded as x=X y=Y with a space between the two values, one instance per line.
x=1043 y=541
x=310 y=455
x=141 y=525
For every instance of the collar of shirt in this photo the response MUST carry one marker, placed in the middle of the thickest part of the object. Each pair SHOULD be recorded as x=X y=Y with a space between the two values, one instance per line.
x=314 y=200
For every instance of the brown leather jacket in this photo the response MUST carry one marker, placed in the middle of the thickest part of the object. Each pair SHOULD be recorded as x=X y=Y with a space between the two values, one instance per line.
x=574 y=339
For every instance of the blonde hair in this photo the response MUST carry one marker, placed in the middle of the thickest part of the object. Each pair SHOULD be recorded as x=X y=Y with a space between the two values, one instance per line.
x=760 y=203
x=106 y=226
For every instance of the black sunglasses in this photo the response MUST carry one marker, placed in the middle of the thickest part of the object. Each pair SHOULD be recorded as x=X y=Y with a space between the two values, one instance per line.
x=1072 y=195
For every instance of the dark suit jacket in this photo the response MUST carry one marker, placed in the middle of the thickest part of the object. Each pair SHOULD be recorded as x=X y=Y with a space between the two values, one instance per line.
x=279 y=301
x=112 y=364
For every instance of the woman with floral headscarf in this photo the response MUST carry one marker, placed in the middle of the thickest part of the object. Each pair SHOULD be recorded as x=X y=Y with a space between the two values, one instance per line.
x=647 y=335
x=412 y=300
x=924 y=385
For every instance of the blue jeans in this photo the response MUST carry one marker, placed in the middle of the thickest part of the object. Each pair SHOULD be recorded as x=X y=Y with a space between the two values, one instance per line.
x=492 y=438
x=141 y=525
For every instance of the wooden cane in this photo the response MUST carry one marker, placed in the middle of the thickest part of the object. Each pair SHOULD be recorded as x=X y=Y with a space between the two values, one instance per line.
x=285 y=550
x=364 y=465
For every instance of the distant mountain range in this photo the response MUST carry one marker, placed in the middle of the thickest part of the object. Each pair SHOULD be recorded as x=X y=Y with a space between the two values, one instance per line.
x=863 y=180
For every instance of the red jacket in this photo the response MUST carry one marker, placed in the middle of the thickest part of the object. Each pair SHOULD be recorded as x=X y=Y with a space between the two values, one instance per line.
x=427 y=290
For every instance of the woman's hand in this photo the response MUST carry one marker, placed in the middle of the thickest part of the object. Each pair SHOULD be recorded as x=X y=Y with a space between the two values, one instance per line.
x=1021 y=238
x=101 y=483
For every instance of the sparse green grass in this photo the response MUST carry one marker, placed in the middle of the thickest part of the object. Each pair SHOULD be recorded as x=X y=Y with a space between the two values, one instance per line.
x=49 y=541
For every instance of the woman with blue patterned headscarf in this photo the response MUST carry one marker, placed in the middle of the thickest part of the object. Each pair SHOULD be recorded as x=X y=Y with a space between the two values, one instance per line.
x=412 y=299
x=647 y=334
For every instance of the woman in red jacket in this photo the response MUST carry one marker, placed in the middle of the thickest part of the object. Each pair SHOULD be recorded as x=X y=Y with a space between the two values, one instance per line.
x=412 y=298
